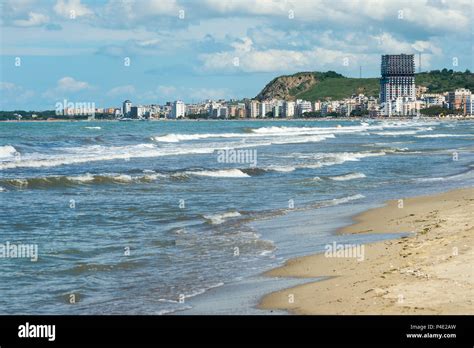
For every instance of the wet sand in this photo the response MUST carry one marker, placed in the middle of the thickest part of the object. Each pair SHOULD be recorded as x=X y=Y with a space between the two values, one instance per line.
x=428 y=272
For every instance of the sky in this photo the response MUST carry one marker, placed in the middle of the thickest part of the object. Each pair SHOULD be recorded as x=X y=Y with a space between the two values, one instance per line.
x=154 y=51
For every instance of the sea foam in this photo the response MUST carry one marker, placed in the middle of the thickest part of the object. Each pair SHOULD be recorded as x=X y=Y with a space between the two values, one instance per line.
x=349 y=176
x=7 y=151
x=217 y=219
x=224 y=173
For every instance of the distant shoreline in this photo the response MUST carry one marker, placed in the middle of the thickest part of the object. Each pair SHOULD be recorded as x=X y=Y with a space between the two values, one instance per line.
x=353 y=118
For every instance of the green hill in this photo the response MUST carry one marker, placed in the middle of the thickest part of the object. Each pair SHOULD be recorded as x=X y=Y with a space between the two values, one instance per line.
x=439 y=81
x=331 y=85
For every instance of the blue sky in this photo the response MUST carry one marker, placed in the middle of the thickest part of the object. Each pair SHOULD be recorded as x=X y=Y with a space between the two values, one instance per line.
x=194 y=50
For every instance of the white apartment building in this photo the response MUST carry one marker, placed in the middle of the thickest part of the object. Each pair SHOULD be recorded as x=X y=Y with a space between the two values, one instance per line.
x=262 y=109
x=432 y=99
x=213 y=110
x=303 y=106
x=317 y=106
x=178 y=109
x=278 y=109
x=402 y=106
x=126 y=108
x=253 y=109
x=289 y=109
x=347 y=107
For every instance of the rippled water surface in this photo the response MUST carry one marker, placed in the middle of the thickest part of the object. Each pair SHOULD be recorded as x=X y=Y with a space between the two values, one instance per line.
x=131 y=216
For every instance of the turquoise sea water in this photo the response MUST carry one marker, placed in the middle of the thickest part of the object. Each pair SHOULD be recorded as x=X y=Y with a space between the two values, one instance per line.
x=132 y=217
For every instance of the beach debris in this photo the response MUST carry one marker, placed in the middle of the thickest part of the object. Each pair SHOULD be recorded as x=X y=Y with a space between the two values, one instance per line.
x=377 y=291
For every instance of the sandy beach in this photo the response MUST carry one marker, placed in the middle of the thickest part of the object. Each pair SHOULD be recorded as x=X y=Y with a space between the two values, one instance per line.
x=428 y=272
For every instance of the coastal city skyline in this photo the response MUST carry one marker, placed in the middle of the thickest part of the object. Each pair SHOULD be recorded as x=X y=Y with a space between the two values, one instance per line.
x=398 y=95
x=157 y=51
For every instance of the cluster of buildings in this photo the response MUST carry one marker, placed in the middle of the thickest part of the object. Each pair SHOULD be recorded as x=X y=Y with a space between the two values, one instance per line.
x=248 y=108
x=398 y=96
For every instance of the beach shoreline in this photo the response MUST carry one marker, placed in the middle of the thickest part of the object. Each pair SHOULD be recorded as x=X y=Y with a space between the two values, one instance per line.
x=427 y=272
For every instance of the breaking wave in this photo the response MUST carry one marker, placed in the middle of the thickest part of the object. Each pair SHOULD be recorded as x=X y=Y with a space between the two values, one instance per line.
x=7 y=151
x=175 y=138
x=395 y=133
x=443 y=135
x=224 y=173
x=217 y=219
x=349 y=176
x=337 y=201
x=468 y=174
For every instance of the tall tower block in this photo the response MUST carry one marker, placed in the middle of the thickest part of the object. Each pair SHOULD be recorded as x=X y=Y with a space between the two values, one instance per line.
x=398 y=77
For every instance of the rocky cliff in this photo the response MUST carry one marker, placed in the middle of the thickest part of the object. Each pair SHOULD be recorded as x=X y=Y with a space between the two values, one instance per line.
x=286 y=87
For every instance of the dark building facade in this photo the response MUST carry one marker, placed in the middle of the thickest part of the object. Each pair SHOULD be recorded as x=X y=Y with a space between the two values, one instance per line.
x=398 y=77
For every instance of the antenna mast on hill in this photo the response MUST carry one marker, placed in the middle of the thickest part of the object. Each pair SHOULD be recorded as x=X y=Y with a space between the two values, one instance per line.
x=360 y=71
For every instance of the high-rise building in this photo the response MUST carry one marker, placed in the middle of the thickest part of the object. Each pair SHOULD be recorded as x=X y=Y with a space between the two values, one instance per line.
x=398 y=77
x=289 y=109
x=126 y=108
x=253 y=107
x=178 y=109
x=262 y=109
x=137 y=112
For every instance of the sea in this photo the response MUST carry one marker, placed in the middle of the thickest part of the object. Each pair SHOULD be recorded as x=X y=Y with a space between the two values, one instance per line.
x=183 y=217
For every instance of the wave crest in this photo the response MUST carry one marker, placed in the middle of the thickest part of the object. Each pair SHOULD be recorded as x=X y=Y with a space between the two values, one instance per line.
x=349 y=176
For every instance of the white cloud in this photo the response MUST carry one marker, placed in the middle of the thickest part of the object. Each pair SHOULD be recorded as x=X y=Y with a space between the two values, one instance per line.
x=69 y=8
x=34 y=19
x=131 y=12
x=452 y=16
x=7 y=86
x=120 y=91
x=154 y=7
x=245 y=45
x=149 y=43
x=68 y=84
x=251 y=59
x=341 y=54
x=65 y=86
x=15 y=8
x=14 y=94
x=266 y=7
x=387 y=44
